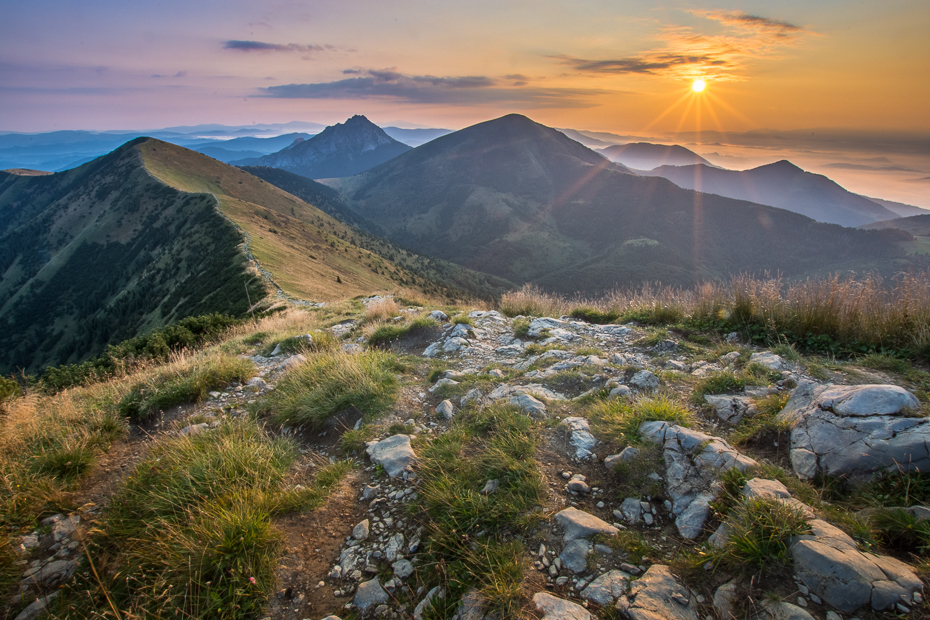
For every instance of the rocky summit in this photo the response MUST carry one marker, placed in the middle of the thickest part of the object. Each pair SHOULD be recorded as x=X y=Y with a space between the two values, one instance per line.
x=545 y=467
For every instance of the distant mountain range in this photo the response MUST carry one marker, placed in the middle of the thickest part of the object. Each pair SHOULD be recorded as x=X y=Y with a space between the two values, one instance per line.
x=646 y=156
x=782 y=185
x=341 y=150
x=524 y=202
x=917 y=225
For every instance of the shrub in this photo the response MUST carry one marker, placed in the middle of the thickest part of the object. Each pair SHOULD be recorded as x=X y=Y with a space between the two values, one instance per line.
x=521 y=328
x=333 y=382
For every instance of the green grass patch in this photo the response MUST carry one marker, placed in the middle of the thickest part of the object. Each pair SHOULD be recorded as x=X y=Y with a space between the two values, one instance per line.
x=462 y=318
x=900 y=530
x=716 y=383
x=761 y=531
x=593 y=315
x=628 y=542
x=764 y=423
x=329 y=383
x=190 y=382
x=190 y=533
x=385 y=334
x=652 y=339
x=469 y=533
x=630 y=478
x=521 y=328
x=620 y=420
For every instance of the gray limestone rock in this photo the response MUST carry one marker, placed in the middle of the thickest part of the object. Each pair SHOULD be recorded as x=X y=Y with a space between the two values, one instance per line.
x=439 y=315
x=402 y=569
x=577 y=524
x=421 y=607
x=781 y=610
x=693 y=462
x=645 y=381
x=473 y=394
x=769 y=360
x=725 y=600
x=554 y=608
x=632 y=510
x=370 y=593
x=621 y=391
x=830 y=564
x=37 y=607
x=773 y=489
x=855 y=430
x=730 y=409
x=54 y=573
x=394 y=454
x=471 y=607
x=392 y=551
x=445 y=409
x=530 y=405
x=607 y=588
x=491 y=486
x=361 y=531
x=658 y=595
x=582 y=439
x=575 y=555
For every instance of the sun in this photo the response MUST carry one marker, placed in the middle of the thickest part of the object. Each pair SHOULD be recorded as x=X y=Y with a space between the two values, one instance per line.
x=698 y=85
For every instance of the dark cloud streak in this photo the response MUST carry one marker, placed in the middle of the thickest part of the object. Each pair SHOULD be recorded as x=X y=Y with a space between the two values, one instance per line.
x=429 y=89
x=261 y=46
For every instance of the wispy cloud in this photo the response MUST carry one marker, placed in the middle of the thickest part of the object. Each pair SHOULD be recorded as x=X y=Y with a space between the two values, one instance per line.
x=429 y=89
x=686 y=53
x=261 y=46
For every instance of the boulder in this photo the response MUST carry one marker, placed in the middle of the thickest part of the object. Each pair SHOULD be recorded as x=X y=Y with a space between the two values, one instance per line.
x=725 y=600
x=830 y=564
x=37 y=607
x=577 y=524
x=855 y=431
x=394 y=454
x=554 y=608
x=658 y=595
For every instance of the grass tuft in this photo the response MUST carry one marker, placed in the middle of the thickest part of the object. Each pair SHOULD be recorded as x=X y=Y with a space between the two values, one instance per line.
x=621 y=420
x=761 y=530
x=191 y=381
x=329 y=383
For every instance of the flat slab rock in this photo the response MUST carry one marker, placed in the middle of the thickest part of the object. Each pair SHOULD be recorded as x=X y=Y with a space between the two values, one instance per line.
x=855 y=430
x=577 y=524
x=607 y=588
x=394 y=454
x=831 y=565
x=658 y=595
x=554 y=608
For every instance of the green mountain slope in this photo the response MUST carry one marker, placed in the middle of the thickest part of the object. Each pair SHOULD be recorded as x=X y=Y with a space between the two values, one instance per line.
x=105 y=251
x=523 y=201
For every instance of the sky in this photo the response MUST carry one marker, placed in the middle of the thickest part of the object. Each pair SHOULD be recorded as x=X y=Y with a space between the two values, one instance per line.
x=858 y=67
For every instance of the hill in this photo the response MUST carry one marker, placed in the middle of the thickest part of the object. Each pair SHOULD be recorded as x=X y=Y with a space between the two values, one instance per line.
x=341 y=150
x=152 y=233
x=783 y=185
x=899 y=208
x=646 y=156
x=103 y=252
x=917 y=225
x=524 y=202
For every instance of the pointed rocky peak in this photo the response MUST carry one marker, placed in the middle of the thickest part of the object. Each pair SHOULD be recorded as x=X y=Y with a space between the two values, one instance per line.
x=782 y=166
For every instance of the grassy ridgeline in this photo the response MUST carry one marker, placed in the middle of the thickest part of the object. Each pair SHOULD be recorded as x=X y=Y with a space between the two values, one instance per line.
x=831 y=315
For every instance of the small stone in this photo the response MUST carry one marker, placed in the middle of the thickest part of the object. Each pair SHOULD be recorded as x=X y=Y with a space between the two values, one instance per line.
x=445 y=409
x=491 y=486
x=361 y=531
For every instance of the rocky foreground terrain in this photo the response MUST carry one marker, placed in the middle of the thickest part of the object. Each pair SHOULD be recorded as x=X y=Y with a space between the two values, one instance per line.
x=652 y=481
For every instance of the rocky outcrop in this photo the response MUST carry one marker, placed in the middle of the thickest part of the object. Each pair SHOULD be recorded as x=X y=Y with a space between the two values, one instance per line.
x=693 y=463
x=855 y=431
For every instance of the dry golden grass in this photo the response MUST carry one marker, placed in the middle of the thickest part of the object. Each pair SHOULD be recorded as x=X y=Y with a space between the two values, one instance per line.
x=868 y=311
x=381 y=310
